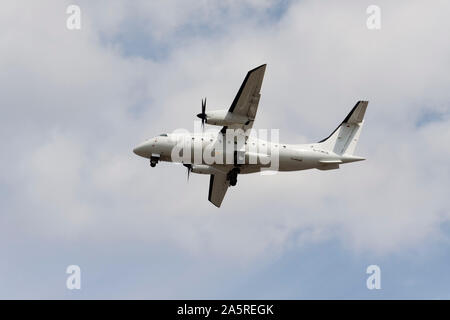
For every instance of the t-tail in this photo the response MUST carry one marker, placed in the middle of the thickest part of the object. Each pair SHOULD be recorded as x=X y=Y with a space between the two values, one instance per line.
x=344 y=138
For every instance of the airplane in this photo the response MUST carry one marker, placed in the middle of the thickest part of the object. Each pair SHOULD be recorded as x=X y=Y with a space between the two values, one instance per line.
x=327 y=154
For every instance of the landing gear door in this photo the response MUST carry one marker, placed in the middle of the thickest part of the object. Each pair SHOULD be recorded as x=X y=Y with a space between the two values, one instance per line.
x=239 y=157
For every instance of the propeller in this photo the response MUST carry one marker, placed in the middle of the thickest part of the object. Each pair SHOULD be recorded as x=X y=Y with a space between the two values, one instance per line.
x=202 y=115
x=189 y=169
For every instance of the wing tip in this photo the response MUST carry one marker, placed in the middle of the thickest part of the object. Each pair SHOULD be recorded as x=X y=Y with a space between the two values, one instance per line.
x=215 y=204
x=236 y=98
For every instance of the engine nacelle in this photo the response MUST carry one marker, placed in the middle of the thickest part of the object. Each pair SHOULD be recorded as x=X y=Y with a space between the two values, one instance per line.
x=225 y=118
x=203 y=169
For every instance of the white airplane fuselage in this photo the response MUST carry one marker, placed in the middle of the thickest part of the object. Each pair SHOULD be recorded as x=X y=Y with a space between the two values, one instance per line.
x=290 y=157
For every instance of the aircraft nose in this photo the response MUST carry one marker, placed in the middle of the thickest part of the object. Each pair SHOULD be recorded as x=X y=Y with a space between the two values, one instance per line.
x=141 y=150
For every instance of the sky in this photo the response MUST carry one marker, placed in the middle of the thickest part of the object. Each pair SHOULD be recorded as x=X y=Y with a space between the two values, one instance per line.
x=76 y=102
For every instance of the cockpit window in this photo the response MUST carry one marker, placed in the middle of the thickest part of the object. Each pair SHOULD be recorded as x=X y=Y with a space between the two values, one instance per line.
x=163 y=135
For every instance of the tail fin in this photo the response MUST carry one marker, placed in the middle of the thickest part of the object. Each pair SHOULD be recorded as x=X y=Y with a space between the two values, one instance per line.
x=344 y=138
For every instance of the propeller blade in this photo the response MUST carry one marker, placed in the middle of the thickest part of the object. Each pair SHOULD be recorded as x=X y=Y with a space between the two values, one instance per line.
x=202 y=115
x=189 y=169
x=204 y=112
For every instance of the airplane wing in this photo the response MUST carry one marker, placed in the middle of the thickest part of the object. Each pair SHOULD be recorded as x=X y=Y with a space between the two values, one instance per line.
x=246 y=101
x=218 y=186
x=245 y=104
